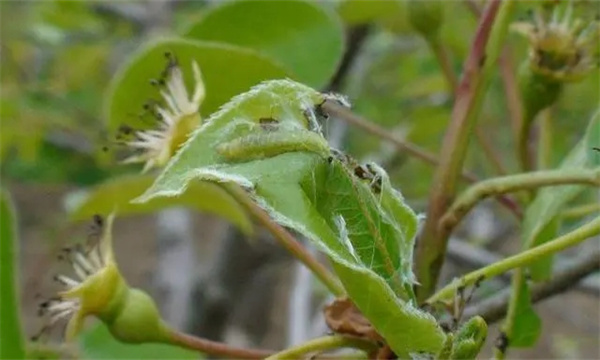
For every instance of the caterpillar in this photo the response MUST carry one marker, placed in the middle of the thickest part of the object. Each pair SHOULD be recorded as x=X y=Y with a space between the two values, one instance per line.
x=264 y=145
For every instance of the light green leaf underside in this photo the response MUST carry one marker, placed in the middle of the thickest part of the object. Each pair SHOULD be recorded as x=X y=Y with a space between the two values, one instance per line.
x=11 y=342
x=541 y=217
x=227 y=70
x=97 y=343
x=368 y=234
x=301 y=35
x=117 y=194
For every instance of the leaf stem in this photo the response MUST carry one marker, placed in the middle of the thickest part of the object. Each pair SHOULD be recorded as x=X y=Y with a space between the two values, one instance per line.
x=286 y=240
x=215 y=348
x=322 y=344
x=478 y=67
x=501 y=185
x=572 y=238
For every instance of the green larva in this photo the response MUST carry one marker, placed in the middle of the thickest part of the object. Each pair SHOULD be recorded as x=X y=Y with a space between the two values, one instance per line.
x=269 y=144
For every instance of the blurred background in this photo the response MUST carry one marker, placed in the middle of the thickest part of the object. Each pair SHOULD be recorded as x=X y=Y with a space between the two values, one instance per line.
x=57 y=62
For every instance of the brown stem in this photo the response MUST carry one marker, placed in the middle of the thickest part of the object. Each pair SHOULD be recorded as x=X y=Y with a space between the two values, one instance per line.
x=215 y=348
x=441 y=54
x=509 y=79
x=431 y=247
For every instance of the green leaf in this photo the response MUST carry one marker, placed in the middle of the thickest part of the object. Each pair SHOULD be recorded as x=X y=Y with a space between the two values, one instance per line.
x=117 y=194
x=227 y=70
x=301 y=35
x=11 y=340
x=97 y=343
x=363 y=225
x=527 y=324
x=543 y=211
x=355 y=12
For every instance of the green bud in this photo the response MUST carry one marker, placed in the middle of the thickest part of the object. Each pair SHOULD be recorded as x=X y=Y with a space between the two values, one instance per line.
x=426 y=17
x=469 y=339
